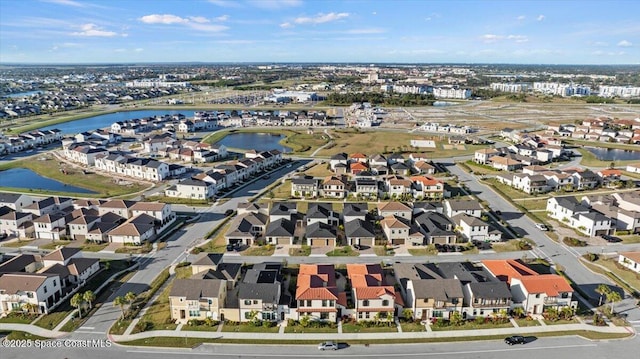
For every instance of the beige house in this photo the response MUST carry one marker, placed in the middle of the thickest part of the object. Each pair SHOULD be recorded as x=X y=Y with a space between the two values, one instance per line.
x=197 y=299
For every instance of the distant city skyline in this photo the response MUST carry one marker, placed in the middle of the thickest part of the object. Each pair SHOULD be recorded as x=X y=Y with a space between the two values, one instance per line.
x=402 y=31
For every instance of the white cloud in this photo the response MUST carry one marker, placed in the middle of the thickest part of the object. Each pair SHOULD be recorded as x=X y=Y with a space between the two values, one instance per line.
x=321 y=18
x=195 y=22
x=222 y=18
x=427 y=19
x=491 y=37
x=625 y=43
x=540 y=17
x=286 y=25
x=66 y=3
x=518 y=38
x=120 y=50
x=92 y=30
x=521 y=17
x=275 y=4
x=163 y=19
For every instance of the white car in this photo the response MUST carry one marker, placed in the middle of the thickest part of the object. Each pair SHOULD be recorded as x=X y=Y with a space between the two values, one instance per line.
x=328 y=346
x=542 y=227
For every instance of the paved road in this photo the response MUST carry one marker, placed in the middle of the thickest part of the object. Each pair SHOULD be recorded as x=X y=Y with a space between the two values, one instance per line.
x=561 y=347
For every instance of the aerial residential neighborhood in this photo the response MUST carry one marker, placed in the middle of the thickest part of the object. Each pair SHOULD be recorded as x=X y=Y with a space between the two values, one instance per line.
x=297 y=178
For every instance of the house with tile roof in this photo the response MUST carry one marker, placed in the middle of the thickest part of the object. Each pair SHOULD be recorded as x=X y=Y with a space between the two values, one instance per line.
x=280 y=231
x=436 y=228
x=18 y=224
x=334 y=187
x=373 y=298
x=399 y=209
x=317 y=295
x=453 y=207
x=630 y=260
x=118 y=206
x=427 y=187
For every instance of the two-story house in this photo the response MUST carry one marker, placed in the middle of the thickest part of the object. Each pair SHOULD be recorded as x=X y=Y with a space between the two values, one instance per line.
x=197 y=299
x=305 y=187
x=317 y=295
x=373 y=298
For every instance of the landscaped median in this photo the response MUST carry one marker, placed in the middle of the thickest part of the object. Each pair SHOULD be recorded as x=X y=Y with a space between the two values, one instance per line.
x=168 y=338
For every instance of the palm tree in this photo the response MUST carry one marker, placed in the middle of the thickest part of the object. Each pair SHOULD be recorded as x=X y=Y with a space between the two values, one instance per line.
x=602 y=289
x=76 y=301
x=518 y=312
x=613 y=297
x=89 y=297
x=119 y=301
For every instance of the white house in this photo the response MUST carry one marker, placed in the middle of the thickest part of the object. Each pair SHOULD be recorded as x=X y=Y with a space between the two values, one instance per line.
x=630 y=260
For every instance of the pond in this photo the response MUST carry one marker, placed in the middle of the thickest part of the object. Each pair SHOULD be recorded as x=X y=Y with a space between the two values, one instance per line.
x=255 y=141
x=101 y=121
x=26 y=178
x=612 y=154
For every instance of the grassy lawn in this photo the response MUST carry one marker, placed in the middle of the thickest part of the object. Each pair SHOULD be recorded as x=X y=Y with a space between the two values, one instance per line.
x=200 y=328
x=612 y=267
x=356 y=328
x=50 y=168
x=427 y=251
x=561 y=321
x=300 y=329
x=508 y=246
x=532 y=204
x=630 y=239
x=266 y=250
x=16 y=335
x=217 y=244
x=97 y=247
x=471 y=325
x=54 y=244
x=345 y=251
x=380 y=250
x=524 y=322
x=481 y=169
x=412 y=327
x=185 y=201
x=19 y=318
x=281 y=191
x=51 y=320
x=142 y=249
x=248 y=328
x=159 y=314
x=303 y=251
x=507 y=190
x=120 y=326
x=182 y=342
x=319 y=170
x=17 y=244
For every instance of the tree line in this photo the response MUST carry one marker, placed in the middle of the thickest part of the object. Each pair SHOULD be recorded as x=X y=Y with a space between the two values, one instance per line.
x=378 y=98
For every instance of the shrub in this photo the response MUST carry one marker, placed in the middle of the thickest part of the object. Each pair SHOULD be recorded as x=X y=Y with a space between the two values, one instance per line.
x=197 y=250
x=183 y=264
x=479 y=320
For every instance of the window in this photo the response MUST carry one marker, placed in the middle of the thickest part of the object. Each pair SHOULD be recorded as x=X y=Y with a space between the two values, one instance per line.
x=324 y=303
x=194 y=313
x=45 y=288
x=366 y=315
x=385 y=303
x=332 y=303
x=255 y=301
x=29 y=294
x=247 y=302
x=564 y=295
x=324 y=316
x=365 y=303
x=359 y=315
x=308 y=303
x=538 y=295
x=247 y=315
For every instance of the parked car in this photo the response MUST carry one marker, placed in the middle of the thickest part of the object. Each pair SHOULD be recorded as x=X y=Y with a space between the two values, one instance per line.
x=542 y=227
x=228 y=212
x=328 y=346
x=611 y=239
x=499 y=213
x=514 y=339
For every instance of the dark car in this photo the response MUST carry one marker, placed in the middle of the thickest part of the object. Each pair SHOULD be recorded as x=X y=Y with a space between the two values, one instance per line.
x=611 y=239
x=228 y=212
x=514 y=339
x=499 y=213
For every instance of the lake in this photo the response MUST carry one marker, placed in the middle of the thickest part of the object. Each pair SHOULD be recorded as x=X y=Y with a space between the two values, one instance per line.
x=611 y=154
x=101 y=121
x=26 y=178
x=255 y=141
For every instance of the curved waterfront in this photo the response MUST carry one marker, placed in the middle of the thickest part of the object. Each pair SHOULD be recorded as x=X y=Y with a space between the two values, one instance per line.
x=24 y=178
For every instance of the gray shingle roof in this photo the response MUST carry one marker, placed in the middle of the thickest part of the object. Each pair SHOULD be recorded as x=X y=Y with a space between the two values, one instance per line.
x=438 y=289
x=320 y=230
x=194 y=289
x=359 y=228
x=280 y=228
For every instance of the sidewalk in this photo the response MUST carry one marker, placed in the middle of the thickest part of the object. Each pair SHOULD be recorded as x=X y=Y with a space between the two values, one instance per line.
x=373 y=336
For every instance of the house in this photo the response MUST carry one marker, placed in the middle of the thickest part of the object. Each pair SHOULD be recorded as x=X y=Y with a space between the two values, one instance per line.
x=426 y=292
x=473 y=228
x=246 y=228
x=260 y=294
x=505 y=163
x=359 y=232
x=357 y=167
x=333 y=187
x=283 y=210
x=453 y=207
x=366 y=188
x=427 y=187
x=48 y=205
x=18 y=224
x=50 y=226
x=322 y=212
x=161 y=212
x=630 y=260
x=79 y=227
x=132 y=233
x=197 y=299
x=280 y=231
x=42 y=290
x=400 y=168
x=372 y=297
x=424 y=167
x=436 y=228
x=357 y=157
x=206 y=262
x=585 y=180
x=633 y=168
x=340 y=158
x=621 y=219
x=399 y=209
x=75 y=269
x=320 y=234
x=399 y=231
x=592 y=223
x=192 y=189
x=484 y=155
x=317 y=295
x=15 y=201
x=305 y=187
x=398 y=187
x=352 y=211
x=117 y=206
x=563 y=208
x=378 y=160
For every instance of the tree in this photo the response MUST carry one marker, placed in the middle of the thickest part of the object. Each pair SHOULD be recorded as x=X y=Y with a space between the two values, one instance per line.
x=613 y=297
x=119 y=301
x=566 y=313
x=130 y=297
x=407 y=314
x=89 y=297
x=76 y=301
x=602 y=289
x=30 y=307
x=455 y=318
x=304 y=321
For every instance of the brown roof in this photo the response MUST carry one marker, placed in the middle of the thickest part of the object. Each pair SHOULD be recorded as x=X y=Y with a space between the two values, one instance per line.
x=131 y=229
x=118 y=203
x=148 y=206
x=393 y=206
x=77 y=266
x=61 y=254
x=634 y=256
x=194 y=289
x=13 y=283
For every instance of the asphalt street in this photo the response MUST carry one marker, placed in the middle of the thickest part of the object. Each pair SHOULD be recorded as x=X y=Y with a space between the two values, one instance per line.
x=551 y=348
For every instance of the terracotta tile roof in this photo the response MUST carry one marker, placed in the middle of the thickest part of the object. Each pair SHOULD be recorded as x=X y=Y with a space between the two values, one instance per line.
x=148 y=206
x=393 y=222
x=507 y=269
x=634 y=256
x=316 y=281
x=393 y=206
x=427 y=181
x=357 y=155
x=610 y=172
x=342 y=299
x=551 y=284
x=367 y=281
x=358 y=166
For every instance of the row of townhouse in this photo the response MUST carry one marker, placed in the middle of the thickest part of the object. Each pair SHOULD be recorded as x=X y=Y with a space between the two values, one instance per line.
x=34 y=283
x=538 y=179
x=516 y=157
x=28 y=140
x=166 y=145
x=146 y=169
x=56 y=218
x=206 y=185
x=267 y=119
x=138 y=125
x=381 y=165
x=598 y=215
x=224 y=291
x=365 y=186
x=322 y=226
x=448 y=128
x=603 y=130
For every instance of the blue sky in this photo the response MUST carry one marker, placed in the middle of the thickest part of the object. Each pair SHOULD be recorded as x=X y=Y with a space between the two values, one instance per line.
x=550 y=32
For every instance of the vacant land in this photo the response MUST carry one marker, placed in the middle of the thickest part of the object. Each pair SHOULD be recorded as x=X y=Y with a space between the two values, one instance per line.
x=319 y=170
